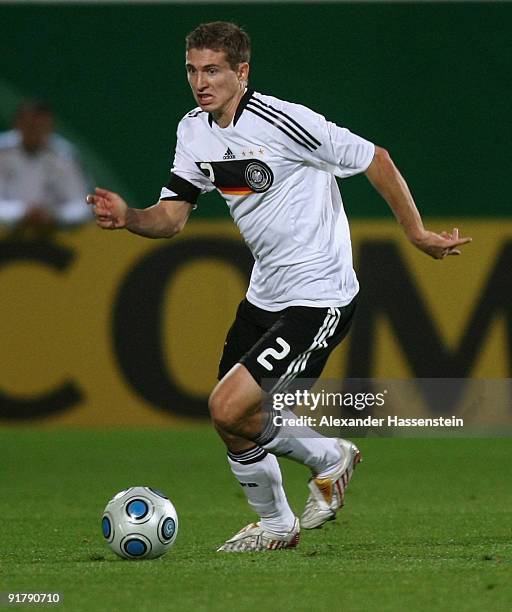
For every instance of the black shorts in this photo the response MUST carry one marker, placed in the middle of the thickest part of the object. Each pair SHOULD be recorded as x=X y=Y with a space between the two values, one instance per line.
x=294 y=342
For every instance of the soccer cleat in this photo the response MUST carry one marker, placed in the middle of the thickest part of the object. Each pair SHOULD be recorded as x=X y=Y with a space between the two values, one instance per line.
x=327 y=495
x=254 y=538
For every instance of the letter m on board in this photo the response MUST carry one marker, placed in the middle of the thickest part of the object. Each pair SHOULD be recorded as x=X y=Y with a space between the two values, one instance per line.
x=389 y=289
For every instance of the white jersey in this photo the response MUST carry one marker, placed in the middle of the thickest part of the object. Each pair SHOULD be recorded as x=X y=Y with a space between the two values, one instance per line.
x=50 y=179
x=275 y=166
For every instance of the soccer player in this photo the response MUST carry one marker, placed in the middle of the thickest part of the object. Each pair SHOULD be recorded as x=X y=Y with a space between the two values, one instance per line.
x=275 y=164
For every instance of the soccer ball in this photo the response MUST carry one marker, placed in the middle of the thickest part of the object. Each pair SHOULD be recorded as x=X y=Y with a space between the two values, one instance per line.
x=140 y=523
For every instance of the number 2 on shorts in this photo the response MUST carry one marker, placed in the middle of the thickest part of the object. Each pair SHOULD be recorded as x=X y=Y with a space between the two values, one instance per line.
x=271 y=352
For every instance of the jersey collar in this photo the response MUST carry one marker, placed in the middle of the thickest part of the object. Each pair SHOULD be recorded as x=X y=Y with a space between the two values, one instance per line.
x=240 y=108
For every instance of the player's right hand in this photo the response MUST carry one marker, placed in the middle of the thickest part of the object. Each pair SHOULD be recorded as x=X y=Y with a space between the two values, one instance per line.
x=109 y=209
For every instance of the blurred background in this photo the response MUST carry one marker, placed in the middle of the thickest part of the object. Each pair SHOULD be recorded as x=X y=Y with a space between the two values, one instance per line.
x=106 y=329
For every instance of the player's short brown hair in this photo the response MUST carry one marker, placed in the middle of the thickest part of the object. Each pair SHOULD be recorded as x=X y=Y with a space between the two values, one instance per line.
x=222 y=36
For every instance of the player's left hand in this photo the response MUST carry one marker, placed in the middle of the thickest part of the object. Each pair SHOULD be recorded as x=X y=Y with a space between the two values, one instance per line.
x=440 y=245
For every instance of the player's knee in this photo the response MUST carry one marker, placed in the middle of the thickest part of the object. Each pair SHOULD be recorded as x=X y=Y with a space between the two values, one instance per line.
x=223 y=409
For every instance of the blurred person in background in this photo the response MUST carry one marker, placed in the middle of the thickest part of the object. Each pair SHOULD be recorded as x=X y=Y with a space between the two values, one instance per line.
x=42 y=183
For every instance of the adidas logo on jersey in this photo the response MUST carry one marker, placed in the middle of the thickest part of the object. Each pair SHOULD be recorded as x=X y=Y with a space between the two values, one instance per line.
x=229 y=154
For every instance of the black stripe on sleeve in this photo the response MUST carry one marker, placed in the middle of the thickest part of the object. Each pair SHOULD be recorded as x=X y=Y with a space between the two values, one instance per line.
x=287 y=122
x=279 y=126
x=183 y=189
x=280 y=112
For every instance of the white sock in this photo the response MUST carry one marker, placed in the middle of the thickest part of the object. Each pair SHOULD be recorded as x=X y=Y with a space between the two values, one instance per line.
x=300 y=443
x=263 y=486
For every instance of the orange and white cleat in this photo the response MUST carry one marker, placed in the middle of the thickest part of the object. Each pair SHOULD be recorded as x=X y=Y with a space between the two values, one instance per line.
x=327 y=494
x=253 y=538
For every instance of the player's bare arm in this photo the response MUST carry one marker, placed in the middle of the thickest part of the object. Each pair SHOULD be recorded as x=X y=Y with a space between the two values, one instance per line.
x=387 y=180
x=163 y=220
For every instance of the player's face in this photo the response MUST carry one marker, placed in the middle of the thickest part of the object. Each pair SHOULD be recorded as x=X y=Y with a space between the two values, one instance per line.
x=217 y=88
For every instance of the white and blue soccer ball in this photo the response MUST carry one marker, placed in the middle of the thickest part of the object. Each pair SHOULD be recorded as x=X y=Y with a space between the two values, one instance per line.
x=140 y=523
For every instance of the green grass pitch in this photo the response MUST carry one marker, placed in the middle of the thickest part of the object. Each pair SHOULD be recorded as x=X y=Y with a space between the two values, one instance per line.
x=426 y=526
